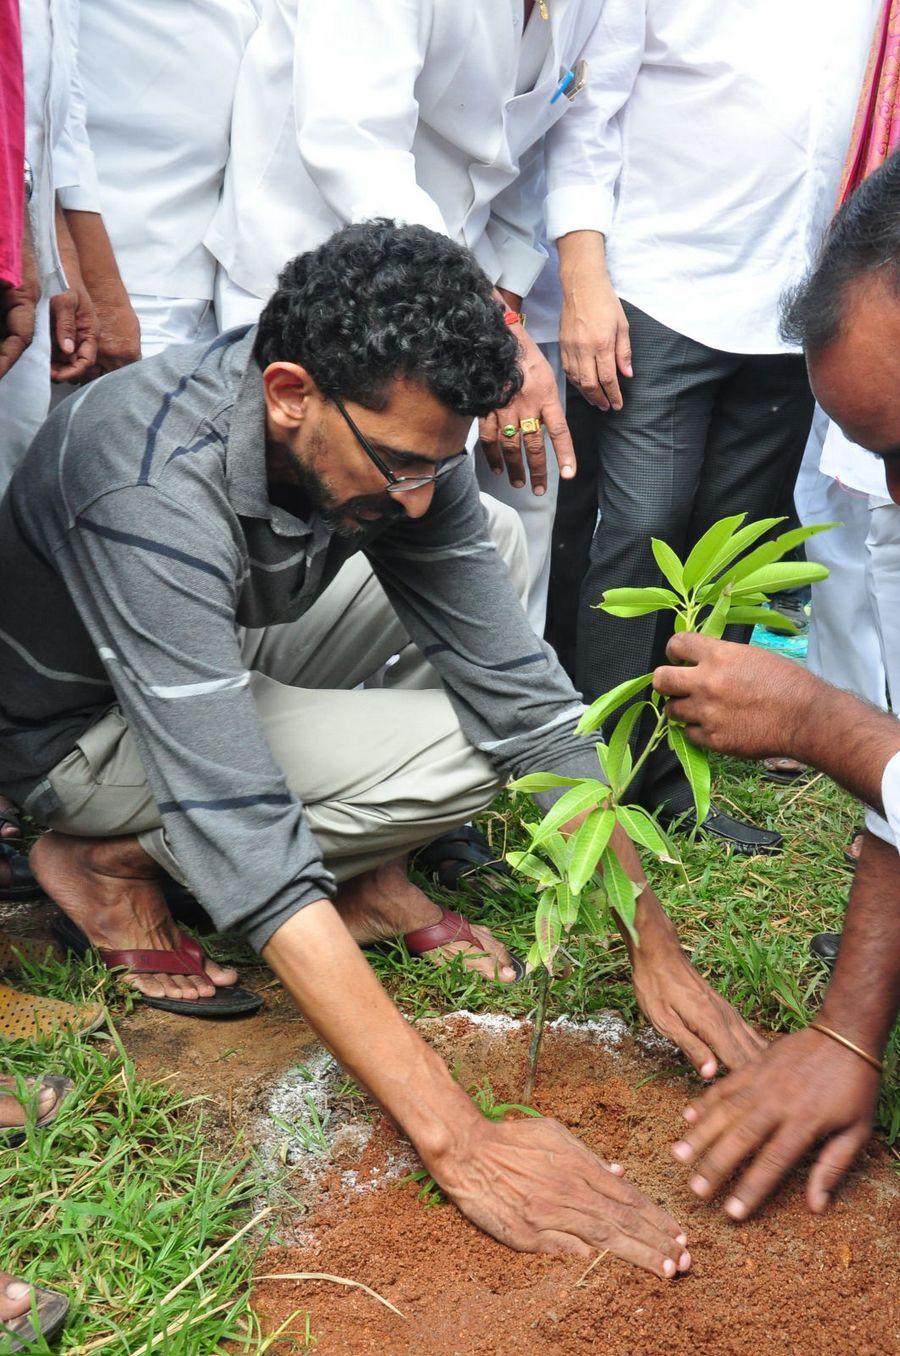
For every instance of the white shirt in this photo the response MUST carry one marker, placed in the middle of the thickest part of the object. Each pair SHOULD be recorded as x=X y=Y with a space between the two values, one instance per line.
x=723 y=160
x=159 y=79
x=352 y=109
x=56 y=144
x=889 y=827
x=852 y=466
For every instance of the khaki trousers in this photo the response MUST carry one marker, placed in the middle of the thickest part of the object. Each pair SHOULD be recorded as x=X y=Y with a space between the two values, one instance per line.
x=380 y=770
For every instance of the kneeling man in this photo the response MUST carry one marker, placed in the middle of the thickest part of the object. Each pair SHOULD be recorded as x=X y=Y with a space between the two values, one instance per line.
x=203 y=556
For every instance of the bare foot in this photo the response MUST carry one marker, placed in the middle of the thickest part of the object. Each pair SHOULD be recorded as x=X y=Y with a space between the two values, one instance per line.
x=384 y=903
x=110 y=888
x=15 y=1297
x=855 y=846
x=13 y=1113
x=9 y=830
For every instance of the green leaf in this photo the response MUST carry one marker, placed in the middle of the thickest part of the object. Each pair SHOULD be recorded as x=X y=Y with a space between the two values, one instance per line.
x=638 y=602
x=621 y=890
x=714 y=540
x=798 y=535
x=669 y=564
x=643 y=829
x=557 y=849
x=585 y=796
x=775 y=578
x=696 y=768
x=766 y=554
x=530 y=865
x=618 y=761
x=761 y=616
x=594 y=912
x=547 y=927
x=541 y=781
x=741 y=541
x=604 y=706
x=533 y=959
x=568 y=904
x=588 y=845
x=717 y=620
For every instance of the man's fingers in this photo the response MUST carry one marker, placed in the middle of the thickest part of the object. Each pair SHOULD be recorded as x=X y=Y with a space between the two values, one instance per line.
x=744 y=1137
x=511 y=452
x=674 y=682
x=558 y=432
x=64 y=308
x=623 y=350
x=489 y=434
x=687 y=647
x=697 y=1051
x=536 y=456
x=616 y=1188
x=832 y=1165
x=715 y=1120
x=608 y=378
x=774 y=1160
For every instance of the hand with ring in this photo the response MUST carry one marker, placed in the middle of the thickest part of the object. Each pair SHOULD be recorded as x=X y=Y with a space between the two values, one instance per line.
x=519 y=429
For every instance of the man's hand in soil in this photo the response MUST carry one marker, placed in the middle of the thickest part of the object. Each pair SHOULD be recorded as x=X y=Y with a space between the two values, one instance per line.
x=528 y=1183
x=670 y=992
x=809 y=1089
x=753 y=704
x=806 y=1090
x=533 y=1186
x=538 y=399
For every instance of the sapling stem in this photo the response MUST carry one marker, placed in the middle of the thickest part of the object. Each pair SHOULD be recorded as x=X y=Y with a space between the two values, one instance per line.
x=537 y=1034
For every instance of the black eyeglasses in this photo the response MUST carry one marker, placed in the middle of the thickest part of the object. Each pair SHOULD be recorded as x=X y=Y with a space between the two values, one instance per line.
x=400 y=484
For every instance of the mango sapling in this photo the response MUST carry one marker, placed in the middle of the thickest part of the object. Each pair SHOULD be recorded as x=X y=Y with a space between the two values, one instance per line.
x=580 y=884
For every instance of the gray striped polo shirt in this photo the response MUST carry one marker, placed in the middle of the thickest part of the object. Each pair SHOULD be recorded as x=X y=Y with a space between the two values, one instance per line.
x=136 y=538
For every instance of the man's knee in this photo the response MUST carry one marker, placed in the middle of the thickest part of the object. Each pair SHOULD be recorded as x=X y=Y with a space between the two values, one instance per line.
x=508 y=535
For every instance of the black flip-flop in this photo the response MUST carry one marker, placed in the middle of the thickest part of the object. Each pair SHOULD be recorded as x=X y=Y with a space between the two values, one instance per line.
x=45 y=1321
x=458 y=857
x=784 y=776
x=227 y=1001
x=10 y=816
x=13 y=1135
x=22 y=884
x=743 y=838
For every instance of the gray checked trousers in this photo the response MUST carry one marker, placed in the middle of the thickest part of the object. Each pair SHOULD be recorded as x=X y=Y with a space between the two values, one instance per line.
x=703 y=434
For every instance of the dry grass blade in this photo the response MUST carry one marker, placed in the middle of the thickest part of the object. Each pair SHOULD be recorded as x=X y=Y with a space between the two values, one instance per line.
x=337 y=1280
x=587 y=1271
x=198 y=1271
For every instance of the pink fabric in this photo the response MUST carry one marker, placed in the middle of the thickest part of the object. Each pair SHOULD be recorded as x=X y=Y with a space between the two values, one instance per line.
x=876 y=131
x=12 y=143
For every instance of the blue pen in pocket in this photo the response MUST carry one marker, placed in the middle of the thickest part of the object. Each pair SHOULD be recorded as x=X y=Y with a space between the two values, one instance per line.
x=571 y=83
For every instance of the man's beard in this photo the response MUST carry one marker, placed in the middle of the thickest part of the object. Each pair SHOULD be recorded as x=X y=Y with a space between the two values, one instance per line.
x=340 y=516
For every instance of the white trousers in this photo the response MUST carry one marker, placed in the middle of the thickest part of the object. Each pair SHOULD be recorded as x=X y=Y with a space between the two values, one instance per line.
x=25 y=396
x=172 y=320
x=537 y=512
x=845 y=647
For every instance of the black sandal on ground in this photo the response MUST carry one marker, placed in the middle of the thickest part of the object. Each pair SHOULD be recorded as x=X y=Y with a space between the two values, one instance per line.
x=452 y=860
x=850 y=857
x=21 y=883
x=785 y=776
x=744 y=838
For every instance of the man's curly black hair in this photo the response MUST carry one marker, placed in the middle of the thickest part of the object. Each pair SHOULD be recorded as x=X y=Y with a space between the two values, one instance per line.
x=379 y=301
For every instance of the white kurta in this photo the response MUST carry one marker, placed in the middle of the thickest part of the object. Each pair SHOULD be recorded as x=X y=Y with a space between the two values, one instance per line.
x=159 y=81
x=58 y=151
x=722 y=163
x=363 y=108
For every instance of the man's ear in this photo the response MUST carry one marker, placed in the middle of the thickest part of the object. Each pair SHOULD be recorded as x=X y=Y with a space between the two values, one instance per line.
x=288 y=388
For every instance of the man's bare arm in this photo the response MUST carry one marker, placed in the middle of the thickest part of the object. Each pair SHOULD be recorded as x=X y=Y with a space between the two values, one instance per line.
x=752 y=704
x=809 y=1089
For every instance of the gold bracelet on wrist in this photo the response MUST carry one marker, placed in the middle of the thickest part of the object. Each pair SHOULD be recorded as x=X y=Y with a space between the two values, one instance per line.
x=842 y=1040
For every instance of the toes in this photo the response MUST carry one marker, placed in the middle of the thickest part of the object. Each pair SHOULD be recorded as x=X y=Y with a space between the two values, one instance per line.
x=46 y=1101
x=221 y=976
x=15 y=1299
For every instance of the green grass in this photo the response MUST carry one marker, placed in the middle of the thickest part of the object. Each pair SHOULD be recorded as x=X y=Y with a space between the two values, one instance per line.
x=118 y=1201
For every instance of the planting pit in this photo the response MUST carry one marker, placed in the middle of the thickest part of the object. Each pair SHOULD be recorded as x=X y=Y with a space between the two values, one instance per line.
x=788 y=1282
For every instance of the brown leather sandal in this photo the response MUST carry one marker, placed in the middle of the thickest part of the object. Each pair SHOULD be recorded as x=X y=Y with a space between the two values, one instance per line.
x=451 y=927
x=227 y=1001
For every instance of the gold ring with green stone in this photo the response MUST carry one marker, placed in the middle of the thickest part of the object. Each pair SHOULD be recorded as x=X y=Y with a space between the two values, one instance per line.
x=509 y=430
